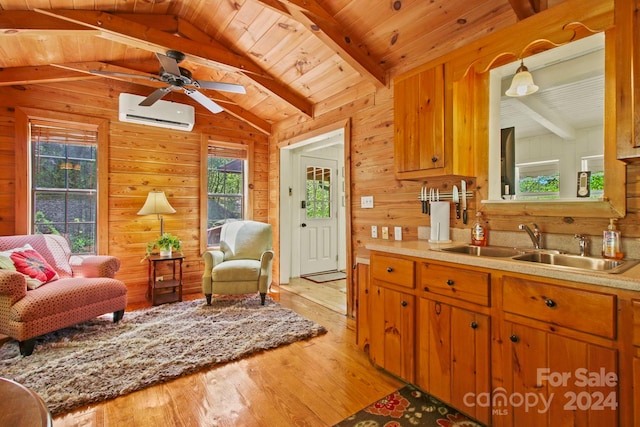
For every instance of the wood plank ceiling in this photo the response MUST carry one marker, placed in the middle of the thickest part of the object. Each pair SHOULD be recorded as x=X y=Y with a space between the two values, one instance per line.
x=290 y=55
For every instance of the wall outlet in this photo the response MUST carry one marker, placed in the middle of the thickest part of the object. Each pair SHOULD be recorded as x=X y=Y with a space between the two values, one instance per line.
x=374 y=231
x=397 y=233
x=366 y=202
x=385 y=232
x=159 y=278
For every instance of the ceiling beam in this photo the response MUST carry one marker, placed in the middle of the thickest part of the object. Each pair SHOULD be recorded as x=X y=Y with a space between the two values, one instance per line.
x=39 y=74
x=321 y=23
x=540 y=113
x=209 y=52
x=527 y=8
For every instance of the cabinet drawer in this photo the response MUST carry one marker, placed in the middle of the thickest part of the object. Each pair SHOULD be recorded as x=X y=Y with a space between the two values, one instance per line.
x=581 y=310
x=467 y=285
x=398 y=271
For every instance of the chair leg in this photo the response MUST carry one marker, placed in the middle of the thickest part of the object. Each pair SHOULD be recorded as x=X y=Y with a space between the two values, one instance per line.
x=262 y=297
x=27 y=346
x=208 y=296
x=118 y=315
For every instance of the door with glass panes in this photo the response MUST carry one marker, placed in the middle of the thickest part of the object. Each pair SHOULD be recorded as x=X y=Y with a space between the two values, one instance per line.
x=319 y=226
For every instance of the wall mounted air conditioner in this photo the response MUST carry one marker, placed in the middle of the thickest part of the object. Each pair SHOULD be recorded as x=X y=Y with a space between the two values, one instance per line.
x=162 y=113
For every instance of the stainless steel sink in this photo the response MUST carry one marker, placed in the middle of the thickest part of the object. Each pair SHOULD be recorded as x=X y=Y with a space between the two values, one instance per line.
x=577 y=261
x=488 y=251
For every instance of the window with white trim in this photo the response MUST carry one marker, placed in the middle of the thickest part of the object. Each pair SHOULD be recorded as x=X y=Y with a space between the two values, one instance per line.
x=538 y=180
x=227 y=168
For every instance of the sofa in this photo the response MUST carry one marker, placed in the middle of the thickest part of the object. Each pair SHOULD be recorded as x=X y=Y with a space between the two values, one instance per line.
x=44 y=288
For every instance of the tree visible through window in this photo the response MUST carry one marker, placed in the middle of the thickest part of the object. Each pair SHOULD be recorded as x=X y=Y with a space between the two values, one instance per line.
x=64 y=184
x=225 y=188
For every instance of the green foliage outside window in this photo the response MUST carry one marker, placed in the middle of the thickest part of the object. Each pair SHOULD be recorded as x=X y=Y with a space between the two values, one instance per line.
x=225 y=184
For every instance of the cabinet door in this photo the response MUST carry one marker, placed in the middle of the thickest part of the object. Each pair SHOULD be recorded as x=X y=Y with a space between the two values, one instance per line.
x=551 y=380
x=392 y=331
x=453 y=355
x=419 y=121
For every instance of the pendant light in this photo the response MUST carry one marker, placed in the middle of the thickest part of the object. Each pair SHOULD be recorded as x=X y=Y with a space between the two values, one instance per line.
x=522 y=83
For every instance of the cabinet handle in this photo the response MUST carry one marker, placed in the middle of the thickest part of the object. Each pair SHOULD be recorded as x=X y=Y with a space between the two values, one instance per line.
x=389 y=269
x=474 y=325
x=550 y=303
x=450 y=282
x=404 y=303
x=514 y=338
x=434 y=159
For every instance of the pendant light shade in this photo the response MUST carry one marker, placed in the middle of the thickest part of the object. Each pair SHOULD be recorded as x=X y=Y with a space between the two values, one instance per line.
x=522 y=83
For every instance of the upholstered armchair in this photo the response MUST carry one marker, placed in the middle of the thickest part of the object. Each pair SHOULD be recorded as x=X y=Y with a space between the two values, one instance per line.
x=243 y=263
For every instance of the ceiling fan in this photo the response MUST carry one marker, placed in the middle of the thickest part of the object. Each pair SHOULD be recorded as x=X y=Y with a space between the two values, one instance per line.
x=179 y=78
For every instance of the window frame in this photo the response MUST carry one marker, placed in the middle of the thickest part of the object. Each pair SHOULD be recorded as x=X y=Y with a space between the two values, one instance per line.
x=208 y=141
x=23 y=201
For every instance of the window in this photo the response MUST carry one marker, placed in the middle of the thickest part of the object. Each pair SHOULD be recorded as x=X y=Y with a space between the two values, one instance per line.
x=226 y=183
x=318 y=197
x=64 y=184
x=538 y=180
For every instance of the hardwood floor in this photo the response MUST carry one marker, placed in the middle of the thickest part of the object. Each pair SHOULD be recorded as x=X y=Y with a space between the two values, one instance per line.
x=332 y=295
x=317 y=382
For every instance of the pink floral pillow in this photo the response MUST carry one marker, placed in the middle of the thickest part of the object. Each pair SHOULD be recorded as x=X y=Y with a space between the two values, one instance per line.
x=27 y=261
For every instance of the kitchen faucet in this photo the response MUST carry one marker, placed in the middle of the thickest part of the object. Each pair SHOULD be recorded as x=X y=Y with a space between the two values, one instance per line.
x=583 y=241
x=536 y=234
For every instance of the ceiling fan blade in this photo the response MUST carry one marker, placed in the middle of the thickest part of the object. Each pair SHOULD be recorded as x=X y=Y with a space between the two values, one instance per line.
x=155 y=96
x=126 y=75
x=169 y=64
x=204 y=100
x=226 y=87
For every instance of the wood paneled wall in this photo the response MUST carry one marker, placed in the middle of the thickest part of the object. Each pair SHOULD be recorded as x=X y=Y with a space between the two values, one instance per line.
x=141 y=158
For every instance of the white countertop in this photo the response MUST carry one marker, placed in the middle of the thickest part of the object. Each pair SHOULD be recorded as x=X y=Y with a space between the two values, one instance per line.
x=629 y=279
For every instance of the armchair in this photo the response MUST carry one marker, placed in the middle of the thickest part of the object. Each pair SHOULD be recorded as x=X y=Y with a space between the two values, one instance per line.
x=243 y=263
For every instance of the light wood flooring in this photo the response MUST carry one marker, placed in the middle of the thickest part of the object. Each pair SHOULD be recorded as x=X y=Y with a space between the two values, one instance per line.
x=332 y=295
x=316 y=382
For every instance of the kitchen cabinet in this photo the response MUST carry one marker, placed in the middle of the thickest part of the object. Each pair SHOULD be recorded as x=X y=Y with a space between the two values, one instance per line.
x=635 y=304
x=453 y=337
x=556 y=367
x=419 y=118
x=392 y=305
x=453 y=355
x=393 y=331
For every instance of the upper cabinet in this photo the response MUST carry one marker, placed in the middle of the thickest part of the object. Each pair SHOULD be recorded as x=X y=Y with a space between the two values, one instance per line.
x=424 y=144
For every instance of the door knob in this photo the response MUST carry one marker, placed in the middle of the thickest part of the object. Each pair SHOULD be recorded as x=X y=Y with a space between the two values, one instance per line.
x=303 y=225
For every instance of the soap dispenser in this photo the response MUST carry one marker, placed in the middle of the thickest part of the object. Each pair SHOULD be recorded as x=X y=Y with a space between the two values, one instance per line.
x=479 y=232
x=611 y=242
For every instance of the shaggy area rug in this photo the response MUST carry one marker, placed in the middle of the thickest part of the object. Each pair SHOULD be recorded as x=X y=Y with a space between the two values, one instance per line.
x=408 y=407
x=98 y=360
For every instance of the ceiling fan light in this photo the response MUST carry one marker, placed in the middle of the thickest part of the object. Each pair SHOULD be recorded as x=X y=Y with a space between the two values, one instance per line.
x=522 y=83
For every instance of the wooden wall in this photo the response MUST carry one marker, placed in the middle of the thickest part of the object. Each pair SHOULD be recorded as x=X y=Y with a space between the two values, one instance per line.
x=141 y=158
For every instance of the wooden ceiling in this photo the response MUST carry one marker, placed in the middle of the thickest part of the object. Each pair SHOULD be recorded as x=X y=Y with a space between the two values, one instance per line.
x=290 y=55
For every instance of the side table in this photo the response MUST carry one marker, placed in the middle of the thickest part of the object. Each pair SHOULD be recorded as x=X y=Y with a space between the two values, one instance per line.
x=163 y=291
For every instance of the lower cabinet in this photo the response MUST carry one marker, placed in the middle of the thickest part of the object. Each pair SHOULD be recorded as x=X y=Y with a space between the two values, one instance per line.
x=363 y=319
x=453 y=357
x=393 y=331
x=552 y=380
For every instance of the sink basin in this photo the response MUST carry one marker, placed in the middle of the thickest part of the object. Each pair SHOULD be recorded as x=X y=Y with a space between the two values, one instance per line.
x=577 y=262
x=488 y=251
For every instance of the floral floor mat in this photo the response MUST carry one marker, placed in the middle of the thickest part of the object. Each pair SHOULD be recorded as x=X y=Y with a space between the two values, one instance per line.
x=408 y=406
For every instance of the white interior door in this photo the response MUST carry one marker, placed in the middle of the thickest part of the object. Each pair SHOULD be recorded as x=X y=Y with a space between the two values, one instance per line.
x=319 y=225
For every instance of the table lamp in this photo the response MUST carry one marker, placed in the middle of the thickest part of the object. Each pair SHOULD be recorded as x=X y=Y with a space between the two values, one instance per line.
x=158 y=204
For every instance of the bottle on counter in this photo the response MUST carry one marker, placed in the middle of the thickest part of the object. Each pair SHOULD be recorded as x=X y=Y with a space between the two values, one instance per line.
x=611 y=242
x=479 y=231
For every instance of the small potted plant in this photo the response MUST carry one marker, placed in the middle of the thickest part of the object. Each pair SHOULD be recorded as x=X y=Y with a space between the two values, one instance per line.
x=165 y=244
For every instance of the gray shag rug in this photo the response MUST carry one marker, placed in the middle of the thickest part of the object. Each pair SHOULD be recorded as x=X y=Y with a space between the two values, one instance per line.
x=98 y=360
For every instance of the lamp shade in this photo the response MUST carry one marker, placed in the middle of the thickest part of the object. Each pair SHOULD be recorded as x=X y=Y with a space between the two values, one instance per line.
x=156 y=203
x=522 y=83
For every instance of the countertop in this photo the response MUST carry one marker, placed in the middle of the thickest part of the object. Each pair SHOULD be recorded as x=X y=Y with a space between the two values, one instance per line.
x=628 y=279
